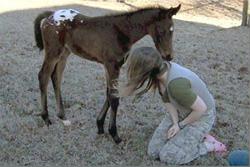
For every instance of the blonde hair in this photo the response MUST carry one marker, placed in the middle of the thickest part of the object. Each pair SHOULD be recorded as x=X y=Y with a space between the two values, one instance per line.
x=144 y=64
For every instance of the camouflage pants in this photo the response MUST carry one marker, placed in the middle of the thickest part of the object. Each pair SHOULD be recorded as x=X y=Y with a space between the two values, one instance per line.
x=186 y=145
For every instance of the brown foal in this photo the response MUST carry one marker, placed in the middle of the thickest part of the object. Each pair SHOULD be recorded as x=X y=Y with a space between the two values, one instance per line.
x=106 y=40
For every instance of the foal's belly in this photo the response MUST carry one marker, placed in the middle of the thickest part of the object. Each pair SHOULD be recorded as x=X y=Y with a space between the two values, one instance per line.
x=83 y=53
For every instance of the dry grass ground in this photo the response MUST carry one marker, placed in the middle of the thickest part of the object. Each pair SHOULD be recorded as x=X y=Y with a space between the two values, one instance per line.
x=207 y=40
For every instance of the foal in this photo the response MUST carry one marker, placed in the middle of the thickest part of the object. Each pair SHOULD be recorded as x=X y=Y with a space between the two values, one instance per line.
x=105 y=40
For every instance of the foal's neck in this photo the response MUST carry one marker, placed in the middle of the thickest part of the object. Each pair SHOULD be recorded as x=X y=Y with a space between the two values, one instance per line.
x=136 y=24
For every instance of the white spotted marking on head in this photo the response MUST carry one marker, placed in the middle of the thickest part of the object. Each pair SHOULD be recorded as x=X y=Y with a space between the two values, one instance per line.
x=171 y=28
x=64 y=14
x=81 y=21
x=57 y=32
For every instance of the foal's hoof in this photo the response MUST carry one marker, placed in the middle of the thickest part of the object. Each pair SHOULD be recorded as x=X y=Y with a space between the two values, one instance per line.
x=45 y=119
x=61 y=116
x=100 y=128
x=47 y=122
x=100 y=131
x=117 y=139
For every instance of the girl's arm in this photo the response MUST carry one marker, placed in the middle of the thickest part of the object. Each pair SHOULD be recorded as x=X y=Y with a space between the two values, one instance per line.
x=173 y=112
x=174 y=115
x=198 y=109
x=181 y=91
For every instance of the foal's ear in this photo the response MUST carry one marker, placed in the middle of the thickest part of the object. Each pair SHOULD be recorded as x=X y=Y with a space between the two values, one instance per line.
x=173 y=11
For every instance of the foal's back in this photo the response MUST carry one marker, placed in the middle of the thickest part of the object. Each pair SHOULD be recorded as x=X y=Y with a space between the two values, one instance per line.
x=93 y=38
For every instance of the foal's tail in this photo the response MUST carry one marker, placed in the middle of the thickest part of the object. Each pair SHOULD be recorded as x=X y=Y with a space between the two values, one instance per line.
x=37 y=28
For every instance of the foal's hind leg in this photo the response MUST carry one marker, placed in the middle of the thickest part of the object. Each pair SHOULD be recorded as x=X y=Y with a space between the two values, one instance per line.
x=56 y=78
x=43 y=76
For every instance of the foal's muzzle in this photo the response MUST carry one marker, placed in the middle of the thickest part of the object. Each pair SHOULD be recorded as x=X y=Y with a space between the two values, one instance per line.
x=168 y=57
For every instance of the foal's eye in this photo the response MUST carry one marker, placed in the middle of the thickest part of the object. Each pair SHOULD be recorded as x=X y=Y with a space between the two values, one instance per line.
x=162 y=32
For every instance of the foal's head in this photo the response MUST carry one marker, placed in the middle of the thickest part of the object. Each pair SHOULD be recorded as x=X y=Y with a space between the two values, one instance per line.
x=162 y=32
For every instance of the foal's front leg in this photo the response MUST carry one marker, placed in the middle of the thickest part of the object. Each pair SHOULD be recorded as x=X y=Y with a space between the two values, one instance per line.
x=102 y=115
x=112 y=74
x=114 y=103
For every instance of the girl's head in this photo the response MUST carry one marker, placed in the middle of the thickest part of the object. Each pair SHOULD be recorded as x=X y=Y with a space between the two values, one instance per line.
x=144 y=65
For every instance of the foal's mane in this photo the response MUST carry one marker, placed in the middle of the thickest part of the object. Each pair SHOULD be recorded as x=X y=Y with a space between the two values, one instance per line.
x=136 y=11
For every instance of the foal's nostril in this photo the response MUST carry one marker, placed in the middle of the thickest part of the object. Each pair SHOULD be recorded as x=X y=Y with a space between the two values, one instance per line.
x=169 y=57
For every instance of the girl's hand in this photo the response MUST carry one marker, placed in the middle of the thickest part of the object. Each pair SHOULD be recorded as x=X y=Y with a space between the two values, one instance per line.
x=173 y=131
